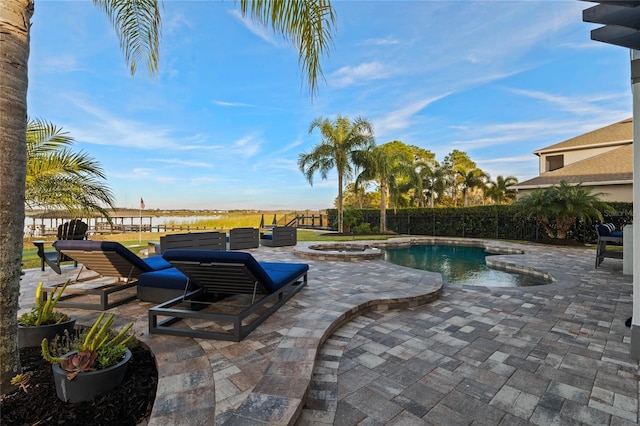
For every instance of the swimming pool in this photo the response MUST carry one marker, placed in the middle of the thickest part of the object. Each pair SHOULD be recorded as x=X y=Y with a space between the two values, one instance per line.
x=458 y=264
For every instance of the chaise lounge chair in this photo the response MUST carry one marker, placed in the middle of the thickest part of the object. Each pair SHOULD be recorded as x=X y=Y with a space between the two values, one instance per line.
x=217 y=274
x=107 y=259
x=73 y=230
x=166 y=284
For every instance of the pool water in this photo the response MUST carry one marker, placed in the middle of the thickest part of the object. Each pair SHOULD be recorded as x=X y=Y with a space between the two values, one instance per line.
x=458 y=264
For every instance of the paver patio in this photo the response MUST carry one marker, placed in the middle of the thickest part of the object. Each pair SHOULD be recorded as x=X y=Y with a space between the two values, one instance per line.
x=368 y=342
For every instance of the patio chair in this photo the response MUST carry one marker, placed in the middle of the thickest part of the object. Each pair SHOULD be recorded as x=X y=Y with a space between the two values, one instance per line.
x=73 y=230
x=194 y=240
x=244 y=238
x=107 y=259
x=607 y=235
x=280 y=236
x=217 y=274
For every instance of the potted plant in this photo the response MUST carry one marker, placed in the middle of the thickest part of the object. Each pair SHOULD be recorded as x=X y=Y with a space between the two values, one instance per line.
x=95 y=363
x=43 y=321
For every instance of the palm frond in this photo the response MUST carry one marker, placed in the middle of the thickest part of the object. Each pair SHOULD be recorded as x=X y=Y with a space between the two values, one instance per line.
x=307 y=24
x=138 y=26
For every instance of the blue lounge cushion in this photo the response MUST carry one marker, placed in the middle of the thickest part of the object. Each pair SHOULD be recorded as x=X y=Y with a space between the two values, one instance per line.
x=170 y=278
x=616 y=234
x=271 y=275
x=153 y=263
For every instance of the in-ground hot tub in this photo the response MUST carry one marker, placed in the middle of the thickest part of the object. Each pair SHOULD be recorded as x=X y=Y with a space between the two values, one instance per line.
x=345 y=252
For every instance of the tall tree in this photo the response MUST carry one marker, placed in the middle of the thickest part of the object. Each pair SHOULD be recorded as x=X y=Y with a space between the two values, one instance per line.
x=470 y=180
x=500 y=190
x=386 y=165
x=59 y=178
x=456 y=165
x=308 y=24
x=340 y=140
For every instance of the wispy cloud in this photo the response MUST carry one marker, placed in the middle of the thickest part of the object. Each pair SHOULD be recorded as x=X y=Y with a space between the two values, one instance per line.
x=247 y=146
x=231 y=104
x=256 y=28
x=57 y=64
x=578 y=105
x=403 y=118
x=180 y=162
x=175 y=22
x=386 y=41
x=358 y=75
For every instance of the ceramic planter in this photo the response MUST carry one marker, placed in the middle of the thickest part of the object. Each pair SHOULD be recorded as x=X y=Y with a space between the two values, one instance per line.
x=88 y=385
x=32 y=336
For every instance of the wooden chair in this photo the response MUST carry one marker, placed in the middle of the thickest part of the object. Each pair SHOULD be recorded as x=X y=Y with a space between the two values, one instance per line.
x=73 y=230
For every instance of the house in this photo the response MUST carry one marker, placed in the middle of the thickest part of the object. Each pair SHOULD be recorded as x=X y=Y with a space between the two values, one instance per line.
x=601 y=159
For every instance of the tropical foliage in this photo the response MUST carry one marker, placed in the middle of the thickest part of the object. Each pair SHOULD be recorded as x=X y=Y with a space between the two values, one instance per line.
x=307 y=24
x=388 y=168
x=59 y=178
x=558 y=207
x=98 y=348
x=412 y=177
x=43 y=313
x=341 y=141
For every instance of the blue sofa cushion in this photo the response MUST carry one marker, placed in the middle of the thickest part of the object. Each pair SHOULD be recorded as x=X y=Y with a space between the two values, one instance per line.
x=153 y=263
x=271 y=275
x=606 y=229
x=166 y=278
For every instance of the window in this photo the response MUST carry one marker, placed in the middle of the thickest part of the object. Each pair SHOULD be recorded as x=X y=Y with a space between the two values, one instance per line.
x=554 y=162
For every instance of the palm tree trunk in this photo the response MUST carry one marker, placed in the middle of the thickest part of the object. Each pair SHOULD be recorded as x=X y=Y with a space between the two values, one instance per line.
x=383 y=207
x=340 y=217
x=15 y=21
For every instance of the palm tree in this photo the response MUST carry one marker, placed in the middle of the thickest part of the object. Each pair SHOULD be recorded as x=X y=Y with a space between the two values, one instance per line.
x=563 y=204
x=59 y=178
x=387 y=169
x=341 y=139
x=307 y=24
x=433 y=182
x=500 y=191
x=471 y=179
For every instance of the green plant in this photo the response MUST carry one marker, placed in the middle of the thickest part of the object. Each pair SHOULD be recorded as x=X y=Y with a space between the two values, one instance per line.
x=558 y=207
x=98 y=348
x=43 y=313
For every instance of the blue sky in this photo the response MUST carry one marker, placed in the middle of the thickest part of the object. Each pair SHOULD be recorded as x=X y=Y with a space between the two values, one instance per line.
x=222 y=125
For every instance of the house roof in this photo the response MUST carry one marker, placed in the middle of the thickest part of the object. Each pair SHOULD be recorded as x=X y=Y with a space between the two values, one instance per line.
x=613 y=134
x=611 y=167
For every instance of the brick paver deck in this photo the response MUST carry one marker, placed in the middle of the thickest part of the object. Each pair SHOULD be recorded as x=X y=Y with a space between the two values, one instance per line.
x=372 y=343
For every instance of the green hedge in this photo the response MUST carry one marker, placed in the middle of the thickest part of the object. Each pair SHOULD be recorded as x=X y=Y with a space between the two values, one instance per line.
x=496 y=222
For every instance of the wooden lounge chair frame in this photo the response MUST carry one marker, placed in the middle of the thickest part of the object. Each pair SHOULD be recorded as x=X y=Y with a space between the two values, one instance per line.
x=114 y=261
x=217 y=279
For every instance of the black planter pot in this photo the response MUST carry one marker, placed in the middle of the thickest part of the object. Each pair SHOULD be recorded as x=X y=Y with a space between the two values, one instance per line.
x=88 y=385
x=32 y=336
